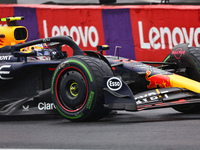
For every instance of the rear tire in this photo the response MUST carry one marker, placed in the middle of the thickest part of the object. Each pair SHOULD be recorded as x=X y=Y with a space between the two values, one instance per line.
x=191 y=108
x=77 y=88
x=188 y=109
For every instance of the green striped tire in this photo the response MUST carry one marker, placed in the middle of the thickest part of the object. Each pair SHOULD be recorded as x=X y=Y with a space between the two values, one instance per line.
x=77 y=88
x=189 y=108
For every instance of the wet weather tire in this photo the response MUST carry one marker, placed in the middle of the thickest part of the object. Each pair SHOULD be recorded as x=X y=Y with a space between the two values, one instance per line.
x=189 y=108
x=77 y=88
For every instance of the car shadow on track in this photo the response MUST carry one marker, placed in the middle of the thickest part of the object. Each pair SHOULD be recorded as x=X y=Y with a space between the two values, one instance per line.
x=30 y=118
x=114 y=117
x=152 y=116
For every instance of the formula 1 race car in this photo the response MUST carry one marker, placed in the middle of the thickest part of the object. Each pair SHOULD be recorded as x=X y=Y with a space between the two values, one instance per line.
x=88 y=85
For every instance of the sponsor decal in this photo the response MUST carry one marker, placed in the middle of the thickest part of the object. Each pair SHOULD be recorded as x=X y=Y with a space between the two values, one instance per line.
x=90 y=100
x=25 y=108
x=5 y=57
x=154 y=37
x=150 y=97
x=86 y=34
x=46 y=40
x=143 y=98
x=85 y=26
x=114 y=84
x=3 y=72
x=178 y=53
x=159 y=37
x=156 y=81
x=46 y=106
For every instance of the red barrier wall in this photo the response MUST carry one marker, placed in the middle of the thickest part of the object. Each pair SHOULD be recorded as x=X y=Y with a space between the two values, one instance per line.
x=145 y=32
x=5 y=11
x=85 y=26
x=156 y=29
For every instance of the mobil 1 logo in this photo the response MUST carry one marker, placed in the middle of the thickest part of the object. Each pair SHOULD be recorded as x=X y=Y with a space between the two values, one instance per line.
x=114 y=83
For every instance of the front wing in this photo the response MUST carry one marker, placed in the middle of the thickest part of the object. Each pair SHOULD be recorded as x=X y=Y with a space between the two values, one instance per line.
x=119 y=96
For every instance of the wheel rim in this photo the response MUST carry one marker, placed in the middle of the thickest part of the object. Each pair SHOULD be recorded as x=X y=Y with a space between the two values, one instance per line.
x=71 y=89
x=74 y=89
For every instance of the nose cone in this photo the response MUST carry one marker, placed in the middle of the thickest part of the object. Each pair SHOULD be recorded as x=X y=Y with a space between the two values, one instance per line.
x=183 y=82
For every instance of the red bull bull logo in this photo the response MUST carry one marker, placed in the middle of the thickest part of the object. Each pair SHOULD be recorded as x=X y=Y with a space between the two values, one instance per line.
x=156 y=81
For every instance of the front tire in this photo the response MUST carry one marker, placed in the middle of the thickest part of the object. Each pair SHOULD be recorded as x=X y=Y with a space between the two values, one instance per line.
x=77 y=88
x=188 y=109
x=189 y=73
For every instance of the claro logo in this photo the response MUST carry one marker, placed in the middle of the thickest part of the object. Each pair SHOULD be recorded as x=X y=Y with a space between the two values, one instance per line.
x=86 y=35
x=46 y=106
x=158 y=37
x=114 y=84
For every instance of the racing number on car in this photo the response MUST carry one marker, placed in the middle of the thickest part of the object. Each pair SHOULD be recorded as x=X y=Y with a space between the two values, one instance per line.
x=3 y=72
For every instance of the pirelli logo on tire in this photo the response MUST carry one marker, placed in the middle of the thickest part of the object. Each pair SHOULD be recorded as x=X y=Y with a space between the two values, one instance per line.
x=90 y=100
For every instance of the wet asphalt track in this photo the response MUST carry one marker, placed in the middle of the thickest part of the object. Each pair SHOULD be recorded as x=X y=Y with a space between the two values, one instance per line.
x=146 y=130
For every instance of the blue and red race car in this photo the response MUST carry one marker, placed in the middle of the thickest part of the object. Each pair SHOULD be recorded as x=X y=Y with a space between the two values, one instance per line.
x=37 y=77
